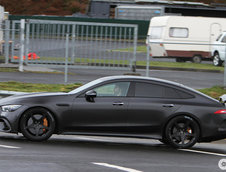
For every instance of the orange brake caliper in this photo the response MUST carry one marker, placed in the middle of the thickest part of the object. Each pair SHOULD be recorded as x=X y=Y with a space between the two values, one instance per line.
x=45 y=123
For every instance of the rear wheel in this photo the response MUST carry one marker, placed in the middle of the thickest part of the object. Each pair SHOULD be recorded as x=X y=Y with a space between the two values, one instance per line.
x=37 y=124
x=196 y=59
x=182 y=132
x=216 y=60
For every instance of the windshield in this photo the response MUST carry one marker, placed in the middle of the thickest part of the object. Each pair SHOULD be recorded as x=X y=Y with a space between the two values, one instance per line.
x=77 y=90
x=218 y=37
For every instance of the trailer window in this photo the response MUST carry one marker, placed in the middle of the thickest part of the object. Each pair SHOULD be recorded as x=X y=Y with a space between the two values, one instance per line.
x=178 y=32
x=155 y=32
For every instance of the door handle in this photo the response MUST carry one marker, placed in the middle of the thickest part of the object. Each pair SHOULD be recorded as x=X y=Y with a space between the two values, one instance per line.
x=118 y=104
x=168 y=105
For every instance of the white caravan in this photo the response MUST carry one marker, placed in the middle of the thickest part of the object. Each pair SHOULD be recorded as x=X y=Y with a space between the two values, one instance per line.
x=184 y=38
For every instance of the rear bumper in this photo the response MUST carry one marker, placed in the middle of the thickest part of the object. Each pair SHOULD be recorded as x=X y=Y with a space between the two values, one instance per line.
x=217 y=130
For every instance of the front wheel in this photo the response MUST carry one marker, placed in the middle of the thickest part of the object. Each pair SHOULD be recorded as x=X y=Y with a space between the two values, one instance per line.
x=37 y=124
x=216 y=60
x=182 y=132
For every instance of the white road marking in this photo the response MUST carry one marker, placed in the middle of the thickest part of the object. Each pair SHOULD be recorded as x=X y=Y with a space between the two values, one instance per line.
x=203 y=152
x=10 y=147
x=116 y=167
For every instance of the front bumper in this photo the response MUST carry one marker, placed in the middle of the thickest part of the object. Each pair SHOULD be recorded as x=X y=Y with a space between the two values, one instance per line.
x=9 y=121
x=5 y=125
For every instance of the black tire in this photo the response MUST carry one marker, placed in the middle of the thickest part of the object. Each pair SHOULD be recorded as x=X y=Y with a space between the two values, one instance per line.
x=216 y=60
x=196 y=59
x=37 y=124
x=182 y=132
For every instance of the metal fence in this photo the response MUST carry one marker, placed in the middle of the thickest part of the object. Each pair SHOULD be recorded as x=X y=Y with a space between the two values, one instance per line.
x=93 y=45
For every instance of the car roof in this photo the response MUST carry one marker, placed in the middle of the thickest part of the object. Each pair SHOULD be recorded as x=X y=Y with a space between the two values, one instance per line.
x=140 y=78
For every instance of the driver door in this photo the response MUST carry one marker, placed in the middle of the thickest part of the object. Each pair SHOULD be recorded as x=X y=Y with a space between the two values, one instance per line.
x=107 y=113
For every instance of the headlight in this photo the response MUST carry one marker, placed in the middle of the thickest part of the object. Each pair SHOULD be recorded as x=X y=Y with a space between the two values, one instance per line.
x=10 y=108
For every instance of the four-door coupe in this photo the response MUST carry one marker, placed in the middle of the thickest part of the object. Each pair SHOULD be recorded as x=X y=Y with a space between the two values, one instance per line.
x=118 y=106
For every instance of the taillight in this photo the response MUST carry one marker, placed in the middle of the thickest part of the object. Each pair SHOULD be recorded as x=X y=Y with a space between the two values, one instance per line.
x=222 y=111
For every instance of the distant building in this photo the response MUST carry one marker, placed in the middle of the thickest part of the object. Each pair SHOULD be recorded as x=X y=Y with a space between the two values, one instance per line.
x=145 y=9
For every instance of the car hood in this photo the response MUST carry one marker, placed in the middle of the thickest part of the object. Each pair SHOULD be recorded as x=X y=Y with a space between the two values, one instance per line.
x=19 y=97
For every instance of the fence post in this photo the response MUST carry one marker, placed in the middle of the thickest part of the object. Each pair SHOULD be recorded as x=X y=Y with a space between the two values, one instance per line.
x=148 y=56
x=22 y=26
x=73 y=44
x=66 y=58
x=225 y=68
x=134 y=49
x=27 y=41
x=6 y=47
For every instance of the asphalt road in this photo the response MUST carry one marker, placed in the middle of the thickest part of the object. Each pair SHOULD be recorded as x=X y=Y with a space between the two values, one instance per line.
x=105 y=154
x=193 y=79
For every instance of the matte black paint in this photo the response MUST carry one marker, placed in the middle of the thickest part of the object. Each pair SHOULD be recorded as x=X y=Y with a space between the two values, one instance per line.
x=121 y=116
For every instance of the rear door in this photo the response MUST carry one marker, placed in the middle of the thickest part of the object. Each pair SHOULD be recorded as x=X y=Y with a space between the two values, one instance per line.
x=151 y=105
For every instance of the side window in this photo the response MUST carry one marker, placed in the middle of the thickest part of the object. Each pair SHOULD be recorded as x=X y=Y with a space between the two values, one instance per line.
x=116 y=89
x=178 y=32
x=156 y=32
x=224 y=39
x=172 y=93
x=148 y=90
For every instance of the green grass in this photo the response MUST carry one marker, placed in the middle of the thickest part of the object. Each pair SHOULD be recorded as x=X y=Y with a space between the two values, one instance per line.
x=214 y=92
x=140 y=49
x=30 y=87
x=186 y=65
x=85 y=61
x=8 y=69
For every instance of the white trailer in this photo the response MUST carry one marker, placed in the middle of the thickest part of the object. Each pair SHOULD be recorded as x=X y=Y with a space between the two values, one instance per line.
x=184 y=38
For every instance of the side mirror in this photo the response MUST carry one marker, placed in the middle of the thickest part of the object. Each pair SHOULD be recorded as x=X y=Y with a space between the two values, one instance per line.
x=90 y=95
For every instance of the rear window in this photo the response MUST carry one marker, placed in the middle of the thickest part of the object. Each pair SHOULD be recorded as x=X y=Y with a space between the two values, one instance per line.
x=178 y=32
x=148 y=90
x=156 y=32
x=159 y=91
x=172 y=93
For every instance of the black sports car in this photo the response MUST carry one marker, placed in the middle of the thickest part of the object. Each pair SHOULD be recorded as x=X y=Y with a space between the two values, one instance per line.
x=118 y=106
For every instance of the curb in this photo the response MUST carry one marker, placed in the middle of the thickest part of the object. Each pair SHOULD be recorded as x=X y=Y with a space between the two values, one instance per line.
x=9 y=93
x=179 y=69
x=32 y=68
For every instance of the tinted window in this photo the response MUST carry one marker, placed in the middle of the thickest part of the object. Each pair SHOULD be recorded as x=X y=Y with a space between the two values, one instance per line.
x=176 y=94
x=148 y=90
x=171 y=93
x=113 y=89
